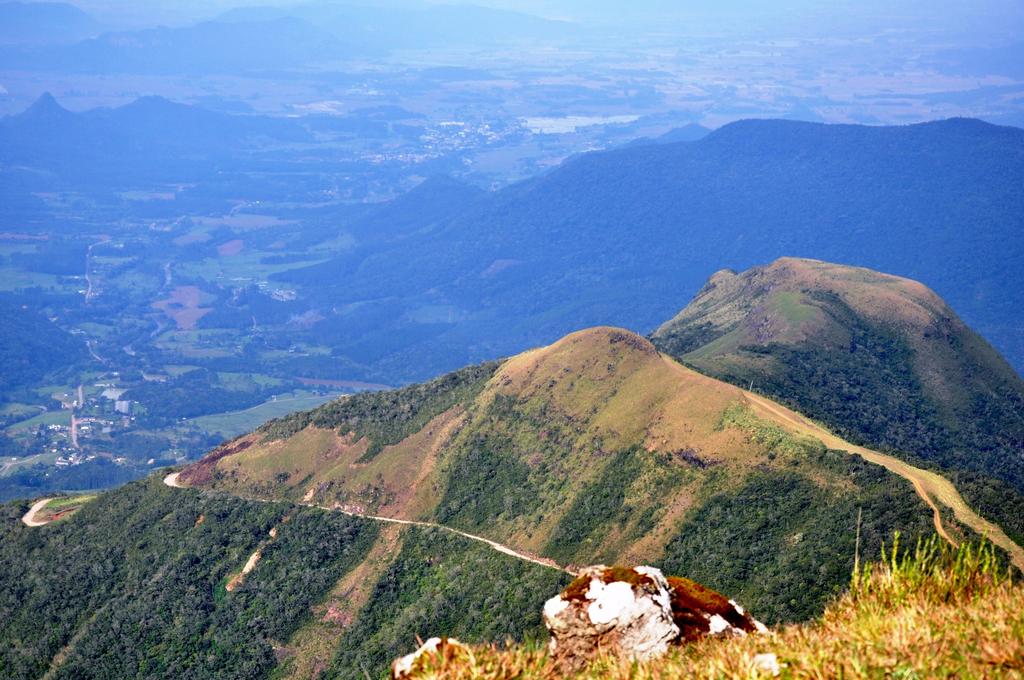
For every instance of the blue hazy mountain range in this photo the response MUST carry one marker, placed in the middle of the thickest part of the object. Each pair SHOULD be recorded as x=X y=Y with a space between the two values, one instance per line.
x=147 y=129
x=627 y=236
x=44 y=22
x=623 y=237
x=271 y=38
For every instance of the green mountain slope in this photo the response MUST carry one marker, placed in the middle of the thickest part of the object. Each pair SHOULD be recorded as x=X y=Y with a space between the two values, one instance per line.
x=144 y=582
x=597 y=448
x=880 y=359
x=594 y=449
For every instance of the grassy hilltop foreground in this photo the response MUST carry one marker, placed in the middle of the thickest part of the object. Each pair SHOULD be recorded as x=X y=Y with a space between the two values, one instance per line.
x=934 y=612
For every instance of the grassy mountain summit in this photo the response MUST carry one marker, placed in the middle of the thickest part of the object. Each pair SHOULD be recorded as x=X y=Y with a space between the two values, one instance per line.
x=881 y=359
x=597 y=448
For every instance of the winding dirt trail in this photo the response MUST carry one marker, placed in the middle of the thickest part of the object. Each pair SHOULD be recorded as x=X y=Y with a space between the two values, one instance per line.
x=30 y=517
x=171 y=480
x=504 y=549
x=930 y=486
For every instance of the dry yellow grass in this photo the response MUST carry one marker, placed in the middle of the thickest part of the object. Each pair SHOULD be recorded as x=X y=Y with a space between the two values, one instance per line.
x=938 y=612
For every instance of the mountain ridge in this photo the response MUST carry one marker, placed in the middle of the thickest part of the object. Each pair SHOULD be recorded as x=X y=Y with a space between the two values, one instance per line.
x=544 y=448
x=353 y=527
x=882 y=357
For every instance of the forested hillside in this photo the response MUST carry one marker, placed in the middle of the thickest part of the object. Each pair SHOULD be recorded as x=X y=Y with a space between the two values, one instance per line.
x=594 y=449
x=144 y=582
x=31 y=346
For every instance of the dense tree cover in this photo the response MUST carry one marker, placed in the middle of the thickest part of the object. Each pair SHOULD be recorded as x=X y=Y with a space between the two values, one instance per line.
x=133 y=585
x=391 y=416
x=782 y=544
x=600 y=503
x=489 y=481
x=626 y=237
x=441 y=584
x=31 y=346
x=40 y=479
x=64 y=257
x=994 y=499
x=511 y=464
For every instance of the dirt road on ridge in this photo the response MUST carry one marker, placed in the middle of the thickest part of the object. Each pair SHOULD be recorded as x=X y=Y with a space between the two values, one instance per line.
x=930 y=486
x=171 y=480
x=30 y=517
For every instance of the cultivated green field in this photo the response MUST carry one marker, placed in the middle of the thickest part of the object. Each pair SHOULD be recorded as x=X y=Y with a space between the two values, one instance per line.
x=231 y=425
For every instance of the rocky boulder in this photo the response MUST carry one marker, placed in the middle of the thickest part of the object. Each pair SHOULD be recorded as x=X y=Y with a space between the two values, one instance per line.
x=637 y=612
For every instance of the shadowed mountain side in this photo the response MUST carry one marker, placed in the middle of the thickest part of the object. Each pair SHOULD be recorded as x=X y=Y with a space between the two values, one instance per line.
x=614 y=237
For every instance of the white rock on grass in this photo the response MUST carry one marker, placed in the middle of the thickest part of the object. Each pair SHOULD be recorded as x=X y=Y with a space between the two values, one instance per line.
x=637 y=612
x=768 y=663
x=628 y=610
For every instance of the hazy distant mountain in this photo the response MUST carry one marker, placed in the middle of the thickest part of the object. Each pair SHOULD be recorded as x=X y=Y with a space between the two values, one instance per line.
x=268 y=38
x=150 y=128
x=686 y=133
x=617 y=236
x=411 y=24
x=44 y=22
x=209 y=47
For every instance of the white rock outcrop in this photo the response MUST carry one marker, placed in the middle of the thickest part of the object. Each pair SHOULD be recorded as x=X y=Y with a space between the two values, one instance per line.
x=636 y=612
x=627 y=610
